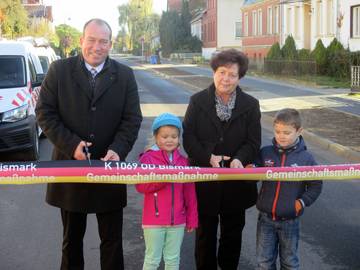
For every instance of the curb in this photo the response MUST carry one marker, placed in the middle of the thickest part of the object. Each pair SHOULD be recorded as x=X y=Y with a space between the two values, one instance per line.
x=267 y=122
x=323 y=143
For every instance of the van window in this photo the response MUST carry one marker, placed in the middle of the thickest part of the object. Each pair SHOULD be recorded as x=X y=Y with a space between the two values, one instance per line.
x=12 y=71
x=44 y=60
x=32 y=71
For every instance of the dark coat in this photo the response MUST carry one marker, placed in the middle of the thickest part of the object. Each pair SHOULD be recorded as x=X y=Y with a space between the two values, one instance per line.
x=69 y=111
x=204 y=134
x=287 y=191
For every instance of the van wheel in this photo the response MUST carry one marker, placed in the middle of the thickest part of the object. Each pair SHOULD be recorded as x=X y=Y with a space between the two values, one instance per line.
x=33 y=152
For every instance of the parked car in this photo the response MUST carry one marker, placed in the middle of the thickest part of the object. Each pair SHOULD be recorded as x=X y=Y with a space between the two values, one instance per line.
x=21 y=75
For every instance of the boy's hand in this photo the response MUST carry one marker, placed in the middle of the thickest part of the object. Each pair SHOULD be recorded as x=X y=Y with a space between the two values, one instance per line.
x=189 y=230
x=298 y=207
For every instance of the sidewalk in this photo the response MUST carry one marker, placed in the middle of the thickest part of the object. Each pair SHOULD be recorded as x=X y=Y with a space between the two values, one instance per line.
x=326 y=120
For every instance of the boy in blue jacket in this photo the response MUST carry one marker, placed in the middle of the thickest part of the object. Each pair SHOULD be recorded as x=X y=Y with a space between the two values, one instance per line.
x=281 y=203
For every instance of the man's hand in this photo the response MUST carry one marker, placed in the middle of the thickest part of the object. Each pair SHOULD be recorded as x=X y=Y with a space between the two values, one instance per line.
x=79 y=153
x=235 y=163
x=111 y=155
x=215 y=160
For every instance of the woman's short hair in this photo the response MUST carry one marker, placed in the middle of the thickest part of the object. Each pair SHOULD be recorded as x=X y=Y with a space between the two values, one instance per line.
x=228 y=57
x=289 y=117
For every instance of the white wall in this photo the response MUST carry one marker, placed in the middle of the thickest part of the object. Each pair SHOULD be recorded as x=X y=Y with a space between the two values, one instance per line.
x=345 y=8
x=227 y=14
x=323 y=21
x=337 y=8
x=296 y=22
x=196 y=29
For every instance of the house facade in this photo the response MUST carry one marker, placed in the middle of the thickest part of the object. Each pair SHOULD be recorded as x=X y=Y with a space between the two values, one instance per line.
x=209 y=29
x=229 y=26
x=37 y=11
x=336 y=19
x=254 y=26
x=174 y=5
x=31 y=2
x=296 y=20
x=222 y=26
x=261 y=20
x=349 y=24
x=307 y=21
x=196 y=24
x=324 y=15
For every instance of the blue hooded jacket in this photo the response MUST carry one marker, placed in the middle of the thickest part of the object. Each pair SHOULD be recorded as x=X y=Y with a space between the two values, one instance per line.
x=277 y=198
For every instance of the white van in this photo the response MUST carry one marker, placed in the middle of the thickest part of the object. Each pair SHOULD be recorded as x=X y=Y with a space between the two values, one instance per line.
x=43 y=50
x=21 y=75
x=46 y=56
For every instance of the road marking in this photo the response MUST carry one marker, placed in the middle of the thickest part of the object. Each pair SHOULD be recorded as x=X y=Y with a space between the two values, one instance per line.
x=299 y=102
x=153 y=110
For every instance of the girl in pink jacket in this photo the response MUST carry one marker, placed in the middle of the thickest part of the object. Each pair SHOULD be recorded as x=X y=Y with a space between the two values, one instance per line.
x=169 y=208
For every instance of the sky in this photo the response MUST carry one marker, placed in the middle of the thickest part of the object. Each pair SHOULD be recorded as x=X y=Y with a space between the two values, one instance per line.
x=77 y=12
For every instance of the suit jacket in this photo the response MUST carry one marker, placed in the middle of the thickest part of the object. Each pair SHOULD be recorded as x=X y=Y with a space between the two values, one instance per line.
x=204 y=134
x=68 y=111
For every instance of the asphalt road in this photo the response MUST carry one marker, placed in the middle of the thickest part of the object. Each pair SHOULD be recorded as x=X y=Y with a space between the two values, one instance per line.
x=269 y=89
x=31 y=231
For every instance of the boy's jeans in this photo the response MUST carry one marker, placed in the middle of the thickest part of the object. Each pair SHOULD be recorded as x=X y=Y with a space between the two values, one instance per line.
x=163 y=241
x=273 y=237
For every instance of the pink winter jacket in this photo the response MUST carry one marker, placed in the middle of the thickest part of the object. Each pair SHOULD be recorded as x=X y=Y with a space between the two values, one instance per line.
x=168 y=203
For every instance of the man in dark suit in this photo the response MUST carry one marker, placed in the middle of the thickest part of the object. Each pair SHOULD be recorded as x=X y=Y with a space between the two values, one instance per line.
x=90 y=100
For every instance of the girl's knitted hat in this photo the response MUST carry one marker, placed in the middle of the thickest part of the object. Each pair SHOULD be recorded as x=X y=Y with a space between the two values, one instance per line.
x=166 y=119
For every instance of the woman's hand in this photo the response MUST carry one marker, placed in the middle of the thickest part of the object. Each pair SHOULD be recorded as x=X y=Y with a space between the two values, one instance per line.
x=215 y=160
x=298 y=207
x=189 y=230
x=236 y=164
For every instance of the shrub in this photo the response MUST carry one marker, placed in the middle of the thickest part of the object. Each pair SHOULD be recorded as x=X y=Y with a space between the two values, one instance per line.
x=305 y=64
x=274 y=52
x=290 y=56
x=320 y=56
x=340 y=64
x=338 y=60
x=355 y=58
x=304 y=55
x=273 y=61
x=192 y=44
x=289 y=49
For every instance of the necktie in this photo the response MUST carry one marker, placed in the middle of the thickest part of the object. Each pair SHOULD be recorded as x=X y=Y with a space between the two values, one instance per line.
x=93 y=72
x=92 y=79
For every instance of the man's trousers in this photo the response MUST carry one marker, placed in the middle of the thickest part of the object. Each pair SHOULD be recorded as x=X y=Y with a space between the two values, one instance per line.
x=110 y=232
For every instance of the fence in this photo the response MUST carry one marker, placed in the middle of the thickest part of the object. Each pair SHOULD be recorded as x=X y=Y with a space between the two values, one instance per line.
x=355 y=79
x=256 y=64
x=286 y=67
x=184 y=57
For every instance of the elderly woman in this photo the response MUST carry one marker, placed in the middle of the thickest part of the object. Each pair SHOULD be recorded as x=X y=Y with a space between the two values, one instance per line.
x=222 y=129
